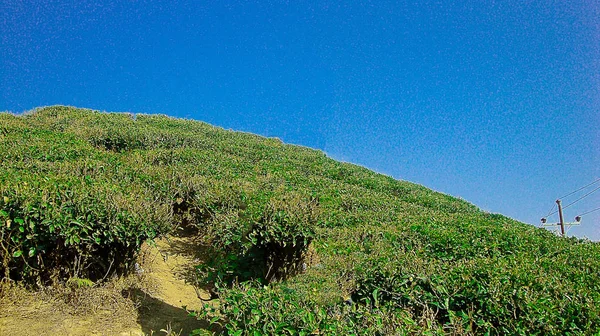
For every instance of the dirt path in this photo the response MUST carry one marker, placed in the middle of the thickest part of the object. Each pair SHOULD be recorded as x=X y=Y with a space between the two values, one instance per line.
x=169 y=266
x=152 y=301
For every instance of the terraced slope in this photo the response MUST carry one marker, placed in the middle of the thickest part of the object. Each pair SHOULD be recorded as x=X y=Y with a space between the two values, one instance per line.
x=295 y=242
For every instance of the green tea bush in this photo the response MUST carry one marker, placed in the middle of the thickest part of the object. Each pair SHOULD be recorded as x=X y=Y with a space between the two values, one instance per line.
x=265 y=239
x=253 y=309
x=69 y=227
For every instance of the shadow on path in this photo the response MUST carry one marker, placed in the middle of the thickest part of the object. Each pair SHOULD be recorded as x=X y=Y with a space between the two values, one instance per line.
x=154 y=315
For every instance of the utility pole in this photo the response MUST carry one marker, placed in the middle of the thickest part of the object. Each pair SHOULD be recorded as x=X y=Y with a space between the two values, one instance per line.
x=560 y=216
x=561 y=222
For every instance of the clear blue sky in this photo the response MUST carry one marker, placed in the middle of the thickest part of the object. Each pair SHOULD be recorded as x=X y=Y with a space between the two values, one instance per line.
x=497 y=102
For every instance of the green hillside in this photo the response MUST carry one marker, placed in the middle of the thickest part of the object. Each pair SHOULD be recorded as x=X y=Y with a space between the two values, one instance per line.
x=296 y=243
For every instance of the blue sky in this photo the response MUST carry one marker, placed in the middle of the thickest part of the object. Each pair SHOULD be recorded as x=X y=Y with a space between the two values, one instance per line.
x=497 y=102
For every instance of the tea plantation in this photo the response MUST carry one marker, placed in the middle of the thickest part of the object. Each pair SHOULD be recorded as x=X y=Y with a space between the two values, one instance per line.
x=297 y=243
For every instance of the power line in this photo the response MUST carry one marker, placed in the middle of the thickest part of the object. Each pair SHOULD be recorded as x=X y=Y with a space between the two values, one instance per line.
x=550 y=211
x=577 y=200
x=585 y=186
x=587 y=212
x=580 y=198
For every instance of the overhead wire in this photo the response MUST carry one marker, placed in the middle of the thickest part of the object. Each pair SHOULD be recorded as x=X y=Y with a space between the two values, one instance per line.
x=582 y=197
x=574 y=191
x=587 y=212
x=577 y=200
x=555 y=211
x=550 y=211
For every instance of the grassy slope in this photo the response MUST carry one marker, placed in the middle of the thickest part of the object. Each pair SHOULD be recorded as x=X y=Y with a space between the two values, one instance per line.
x=80 y=190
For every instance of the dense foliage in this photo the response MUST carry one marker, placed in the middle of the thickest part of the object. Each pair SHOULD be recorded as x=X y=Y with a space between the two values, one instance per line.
x=298 y=243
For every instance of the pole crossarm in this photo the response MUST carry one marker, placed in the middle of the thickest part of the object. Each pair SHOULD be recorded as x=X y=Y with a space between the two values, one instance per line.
x=558 y=224
x=561 y=224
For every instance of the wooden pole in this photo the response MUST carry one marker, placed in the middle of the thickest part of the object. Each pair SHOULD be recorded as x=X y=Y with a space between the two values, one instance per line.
x=560 y=215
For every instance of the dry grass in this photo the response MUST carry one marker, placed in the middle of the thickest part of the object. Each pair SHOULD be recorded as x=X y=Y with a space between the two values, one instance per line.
x=148 y=302
x=64 y=310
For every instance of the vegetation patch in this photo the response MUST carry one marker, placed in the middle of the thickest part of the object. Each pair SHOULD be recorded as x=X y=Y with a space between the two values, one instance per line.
x=296 y=242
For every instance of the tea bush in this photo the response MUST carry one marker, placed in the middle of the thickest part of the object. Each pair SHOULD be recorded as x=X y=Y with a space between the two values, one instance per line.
x=297 y=243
